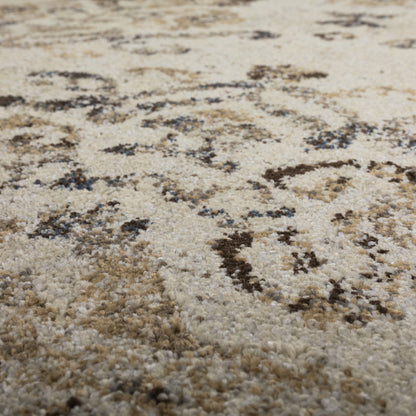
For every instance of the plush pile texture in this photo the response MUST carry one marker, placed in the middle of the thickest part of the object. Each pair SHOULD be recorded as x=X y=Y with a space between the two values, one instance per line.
x=207 y=207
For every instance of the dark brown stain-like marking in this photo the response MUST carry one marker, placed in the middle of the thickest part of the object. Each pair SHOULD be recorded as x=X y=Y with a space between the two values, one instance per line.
x=66 y=74
x=309 y=261
x=256 y=185
x=75 y=179
x=158 y=394
x=286 y=72
x=134 y=227
x=262 y=34
x=184 y=124
x=352 y=317
x=278 y=175
x=336 y=292
x=7 y=100
x=368 y=241
x=283 y=212
x=228 y=166
x=81 y=101
x=409 y=171
x=286 y=236
x=53 y=225
x=64 y=224
x=282 y=113
x=73 y=402
x=329 y=36
x=209 y=212
x=238 y=269
x=23 y=139
x=368 y=275
x=122 y=149
x=335 y=297
x=64 y=144
x=340 y=138
x=302 y=304
x=378 y=166
x=411 y=176
x=338 y=217
x=380 y=308
x=235 y=84
x=150 y=107
x=205 y=153
x=117 y=181
x=354 y=20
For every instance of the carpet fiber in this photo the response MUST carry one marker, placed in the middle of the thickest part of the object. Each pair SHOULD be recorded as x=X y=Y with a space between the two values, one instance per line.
x=207 y=207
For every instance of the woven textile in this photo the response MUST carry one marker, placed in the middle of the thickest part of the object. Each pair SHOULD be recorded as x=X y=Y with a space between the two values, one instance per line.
x=207 y=207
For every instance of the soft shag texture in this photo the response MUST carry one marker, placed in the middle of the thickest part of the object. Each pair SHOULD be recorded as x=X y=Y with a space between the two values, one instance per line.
x=207 y=207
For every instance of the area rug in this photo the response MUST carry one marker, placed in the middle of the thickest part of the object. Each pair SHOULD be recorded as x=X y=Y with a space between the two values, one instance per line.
x=207 y=207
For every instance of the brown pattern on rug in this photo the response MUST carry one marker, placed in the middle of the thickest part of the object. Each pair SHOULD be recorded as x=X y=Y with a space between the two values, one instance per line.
x=207 y=207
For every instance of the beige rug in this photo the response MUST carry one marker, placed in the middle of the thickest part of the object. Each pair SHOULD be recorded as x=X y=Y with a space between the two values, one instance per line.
x=207 y=207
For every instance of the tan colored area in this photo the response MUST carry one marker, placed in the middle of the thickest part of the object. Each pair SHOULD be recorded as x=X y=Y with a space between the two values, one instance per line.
x=125 y=308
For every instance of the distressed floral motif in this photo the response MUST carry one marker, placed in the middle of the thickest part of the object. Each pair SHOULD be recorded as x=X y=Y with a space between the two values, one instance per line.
x=207 y=207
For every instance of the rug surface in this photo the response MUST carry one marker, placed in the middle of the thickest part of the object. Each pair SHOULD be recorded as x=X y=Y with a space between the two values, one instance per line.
x=207 y=207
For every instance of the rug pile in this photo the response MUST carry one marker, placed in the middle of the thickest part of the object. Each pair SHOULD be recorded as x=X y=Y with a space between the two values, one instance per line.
x=207 y=207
